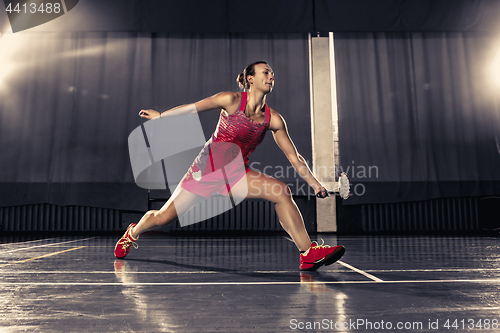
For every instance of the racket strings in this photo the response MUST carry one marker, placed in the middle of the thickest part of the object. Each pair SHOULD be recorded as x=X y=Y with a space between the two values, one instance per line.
x=344 y=186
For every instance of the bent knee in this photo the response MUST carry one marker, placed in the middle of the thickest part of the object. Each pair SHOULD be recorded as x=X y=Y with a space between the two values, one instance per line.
x=280 y=192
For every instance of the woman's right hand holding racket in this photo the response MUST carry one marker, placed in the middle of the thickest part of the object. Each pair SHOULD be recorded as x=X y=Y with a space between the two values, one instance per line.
x=149 y=114
x=322 y=193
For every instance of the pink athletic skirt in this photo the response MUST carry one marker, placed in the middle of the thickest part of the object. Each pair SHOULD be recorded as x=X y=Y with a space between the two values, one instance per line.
x=223 y=167
x=197 y=182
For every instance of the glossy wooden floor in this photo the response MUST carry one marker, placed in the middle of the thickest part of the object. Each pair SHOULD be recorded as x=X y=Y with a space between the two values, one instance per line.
x=249 y=284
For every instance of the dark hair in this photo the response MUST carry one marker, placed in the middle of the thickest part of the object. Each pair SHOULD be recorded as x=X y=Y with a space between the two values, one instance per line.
x=249 y=70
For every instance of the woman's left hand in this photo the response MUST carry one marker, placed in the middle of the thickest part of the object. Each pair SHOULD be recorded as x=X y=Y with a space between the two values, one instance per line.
x=149 y=114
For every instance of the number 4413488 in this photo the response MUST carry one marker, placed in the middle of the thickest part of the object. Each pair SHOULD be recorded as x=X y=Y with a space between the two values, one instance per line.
x=33 y=8
x=471 y=324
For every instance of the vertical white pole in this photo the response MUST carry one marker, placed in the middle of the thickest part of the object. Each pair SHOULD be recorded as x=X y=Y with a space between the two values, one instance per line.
x=322 y=131
x=333 y=87
x=311 y=97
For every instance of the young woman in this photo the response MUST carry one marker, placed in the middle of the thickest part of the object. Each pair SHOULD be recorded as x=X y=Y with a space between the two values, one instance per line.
x=244 y=120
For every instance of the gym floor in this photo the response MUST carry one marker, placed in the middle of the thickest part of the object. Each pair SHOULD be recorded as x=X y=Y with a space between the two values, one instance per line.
x=249 y=284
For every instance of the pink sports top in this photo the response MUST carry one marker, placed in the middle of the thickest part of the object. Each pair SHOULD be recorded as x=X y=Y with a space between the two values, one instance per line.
x=234 y=133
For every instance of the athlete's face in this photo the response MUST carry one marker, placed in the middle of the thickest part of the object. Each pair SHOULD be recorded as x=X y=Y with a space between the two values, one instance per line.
x=263 y=78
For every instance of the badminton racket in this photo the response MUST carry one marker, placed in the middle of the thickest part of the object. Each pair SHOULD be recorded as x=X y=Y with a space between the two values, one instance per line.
x=342 y=188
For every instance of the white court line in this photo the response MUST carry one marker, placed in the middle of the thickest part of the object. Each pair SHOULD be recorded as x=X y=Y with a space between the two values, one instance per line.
x=374 y=278
x=33 y=241
x=236 y=283
x=45 y=245
x=40 y=257
x=158 y=272
x=460 y=270
x=163 y=272
x=433 y=270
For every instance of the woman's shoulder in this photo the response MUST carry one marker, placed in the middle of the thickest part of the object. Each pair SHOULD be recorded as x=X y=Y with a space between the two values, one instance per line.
x=230 y=101
x=228 y=97
x=275 y=114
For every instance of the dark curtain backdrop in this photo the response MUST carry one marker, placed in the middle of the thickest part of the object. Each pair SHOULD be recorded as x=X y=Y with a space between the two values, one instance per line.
x=279 y=16
x=419 y=115
x=406 y=15
x=68 y=102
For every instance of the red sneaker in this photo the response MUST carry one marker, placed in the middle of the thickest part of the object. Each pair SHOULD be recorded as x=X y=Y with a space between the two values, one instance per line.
x=319 y=255
x=123 y=245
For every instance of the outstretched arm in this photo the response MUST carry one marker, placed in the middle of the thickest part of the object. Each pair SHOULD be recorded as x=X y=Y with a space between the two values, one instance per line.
x=222 y=100
x=283 y=140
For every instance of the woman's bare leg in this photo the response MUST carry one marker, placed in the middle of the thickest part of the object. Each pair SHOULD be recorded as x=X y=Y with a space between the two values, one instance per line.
x=179 y=203
x=262 y=186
